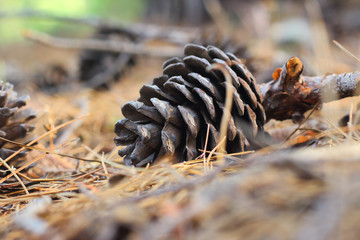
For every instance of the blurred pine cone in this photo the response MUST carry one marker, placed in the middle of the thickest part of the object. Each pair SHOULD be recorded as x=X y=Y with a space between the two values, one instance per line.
x=172 y=115
x=98 y=68
x=13 y=124
x=51 y=79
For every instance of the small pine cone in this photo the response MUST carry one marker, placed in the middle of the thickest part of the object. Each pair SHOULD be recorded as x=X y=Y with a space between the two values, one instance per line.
x=98 y=68
x=51 y=78
x=13 y=124
x=172 y=115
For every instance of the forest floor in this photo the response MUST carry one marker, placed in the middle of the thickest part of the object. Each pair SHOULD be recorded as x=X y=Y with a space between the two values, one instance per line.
x=281 y=192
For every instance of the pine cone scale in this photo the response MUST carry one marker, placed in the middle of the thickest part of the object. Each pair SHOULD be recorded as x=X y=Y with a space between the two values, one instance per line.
x=251 y=119
x=191 y=119
x=138 y=111
x=171 y=138
x=171 y=61
x=141 y=151
x=206 y=85
x=174 y=89
x=246 y=90
x=176 y=69
x=208 y=102
x=150 y=134
x=152 y=91
x=24 y=115
x=126 y=150
x=190 y=151
x=216 y=53
x=198 y=51
x=19 y=102
x=5 y=114
x=168 y=112
x=159 y=81
x=197 y=64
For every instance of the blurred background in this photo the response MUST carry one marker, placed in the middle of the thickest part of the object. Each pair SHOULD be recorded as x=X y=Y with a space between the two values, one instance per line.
x=84 y=59
x=264 y=33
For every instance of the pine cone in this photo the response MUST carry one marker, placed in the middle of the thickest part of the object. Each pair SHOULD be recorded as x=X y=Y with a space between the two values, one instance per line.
x=13 y=123
x=98 y=68
x=171 y=116
x=51 y=79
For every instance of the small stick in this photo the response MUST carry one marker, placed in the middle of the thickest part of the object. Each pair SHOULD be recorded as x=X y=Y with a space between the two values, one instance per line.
x=345 y=50
x=214 y=150
x=104 y=45
x=206 y=143
x=234 y=154
x=42 y=179
x=301 y=123
x=228 y=105
x=11 y=169
x=31 y=143
x=32 y=195
x=41 y=137
x=104 y=166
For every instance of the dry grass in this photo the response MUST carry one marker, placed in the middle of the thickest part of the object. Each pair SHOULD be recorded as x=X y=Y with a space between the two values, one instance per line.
x=269 y=194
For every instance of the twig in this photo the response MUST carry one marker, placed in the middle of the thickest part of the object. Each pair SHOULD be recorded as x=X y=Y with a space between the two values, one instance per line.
x=31 y=143
x=104 y=166
x=15 y=175
x=42 y=179
x=205 y=146
x=345 y=50
x=80 y=177
x=301 y=123
x=228 y=105
x=48 y=151
x=42 y=136
x=104 y=45
x=32 y=195
x=176 y=188
x=215 y=148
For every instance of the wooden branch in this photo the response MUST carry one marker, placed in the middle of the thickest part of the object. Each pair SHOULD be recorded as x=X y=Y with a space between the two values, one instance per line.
x=29 y=13
x=179 y=35
x=104 y=45
x=290 y=94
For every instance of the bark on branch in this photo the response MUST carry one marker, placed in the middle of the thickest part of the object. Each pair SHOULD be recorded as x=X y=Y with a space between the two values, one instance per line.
x=289 y=95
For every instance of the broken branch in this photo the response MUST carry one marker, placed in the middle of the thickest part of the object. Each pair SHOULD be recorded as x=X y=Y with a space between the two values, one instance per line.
x=289 y=95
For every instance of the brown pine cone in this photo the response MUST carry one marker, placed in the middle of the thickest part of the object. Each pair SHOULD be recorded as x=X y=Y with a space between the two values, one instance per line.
x=171 y=116
x=51 y=79
x=99 y=68
x=13 y=124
